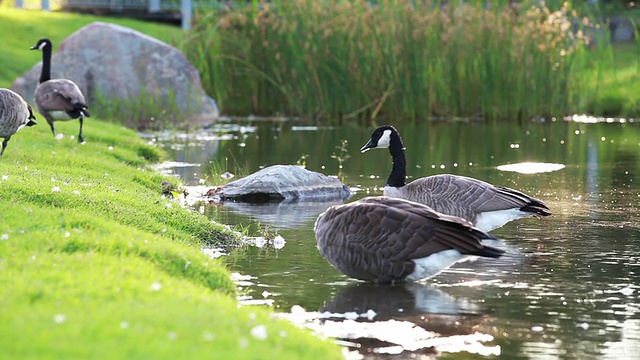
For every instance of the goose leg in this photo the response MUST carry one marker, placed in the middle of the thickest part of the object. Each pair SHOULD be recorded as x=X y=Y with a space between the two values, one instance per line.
x=80 y=138
x=53 y=128
x=4 y=144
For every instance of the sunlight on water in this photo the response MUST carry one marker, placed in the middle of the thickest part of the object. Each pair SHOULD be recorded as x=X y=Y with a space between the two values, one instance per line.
x=531 y=167
x=589 y=119
x=394 y=336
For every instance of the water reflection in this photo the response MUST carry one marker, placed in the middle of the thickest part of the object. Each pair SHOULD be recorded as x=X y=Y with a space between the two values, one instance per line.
x=569 y=286
x=401 y=319
x=406 y=301
x=282 y=215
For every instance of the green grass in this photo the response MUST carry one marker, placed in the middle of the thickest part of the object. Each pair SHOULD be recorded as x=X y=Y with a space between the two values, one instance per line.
x=616 y=87
x=96 y=263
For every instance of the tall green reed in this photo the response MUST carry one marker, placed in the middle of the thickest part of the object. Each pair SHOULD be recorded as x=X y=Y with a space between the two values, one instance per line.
x=402 y=59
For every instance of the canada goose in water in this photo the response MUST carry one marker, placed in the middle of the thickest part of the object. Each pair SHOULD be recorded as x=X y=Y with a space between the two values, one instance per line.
x=487 y=206
x=15 y=113
x=385 y=240
x=58 y=99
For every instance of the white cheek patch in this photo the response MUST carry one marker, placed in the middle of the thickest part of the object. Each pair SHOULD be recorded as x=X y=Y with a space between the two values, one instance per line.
x=41 y=46
x=385 y=139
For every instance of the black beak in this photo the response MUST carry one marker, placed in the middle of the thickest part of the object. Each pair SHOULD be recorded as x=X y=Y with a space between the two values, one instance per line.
x=34 y=47
x=370 y=145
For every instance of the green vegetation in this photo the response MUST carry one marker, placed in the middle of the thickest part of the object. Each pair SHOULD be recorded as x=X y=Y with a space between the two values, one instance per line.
x=94 y=260
x=96 y=263
x=359 y=62
x=400 y=59
x=617 y=86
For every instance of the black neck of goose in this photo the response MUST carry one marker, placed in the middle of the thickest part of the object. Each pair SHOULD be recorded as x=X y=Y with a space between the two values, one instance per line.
x=399 y=169
x=45 y=75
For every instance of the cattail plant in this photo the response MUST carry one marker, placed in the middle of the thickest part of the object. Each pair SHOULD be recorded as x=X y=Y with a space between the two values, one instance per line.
x=396 y=59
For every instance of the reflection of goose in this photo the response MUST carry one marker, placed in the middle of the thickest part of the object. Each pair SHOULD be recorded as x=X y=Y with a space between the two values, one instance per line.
x=399 y=300
x=486 y=205
x=384 y=240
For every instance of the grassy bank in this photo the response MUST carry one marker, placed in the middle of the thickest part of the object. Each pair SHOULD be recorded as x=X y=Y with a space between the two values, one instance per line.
x=96 y=263
x=401 y=59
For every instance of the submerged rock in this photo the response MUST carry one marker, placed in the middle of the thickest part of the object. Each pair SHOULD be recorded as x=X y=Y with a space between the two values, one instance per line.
x=282 y=183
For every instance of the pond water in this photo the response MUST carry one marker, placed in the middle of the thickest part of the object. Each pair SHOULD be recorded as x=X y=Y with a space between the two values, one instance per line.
x=568 y=286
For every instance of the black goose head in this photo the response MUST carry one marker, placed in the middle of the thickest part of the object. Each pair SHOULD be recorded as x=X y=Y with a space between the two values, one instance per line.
x=383 y=137
x=42 y=44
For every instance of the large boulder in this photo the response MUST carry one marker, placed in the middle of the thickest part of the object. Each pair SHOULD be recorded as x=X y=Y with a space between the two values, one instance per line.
x=128 y=74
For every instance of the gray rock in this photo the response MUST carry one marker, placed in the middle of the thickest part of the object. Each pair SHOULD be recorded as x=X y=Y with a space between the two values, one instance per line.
x=126 y=73
x=288 y=183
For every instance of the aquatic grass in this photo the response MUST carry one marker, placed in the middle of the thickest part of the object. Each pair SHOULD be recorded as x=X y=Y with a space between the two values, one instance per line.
x=409 y=60
x=218 y=168
x=96 y=262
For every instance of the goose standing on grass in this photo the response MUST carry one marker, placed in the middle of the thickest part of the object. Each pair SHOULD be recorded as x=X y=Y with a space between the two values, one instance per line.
x=485 y=205
x=58 y=99
x=386 y=240
x=15 y=113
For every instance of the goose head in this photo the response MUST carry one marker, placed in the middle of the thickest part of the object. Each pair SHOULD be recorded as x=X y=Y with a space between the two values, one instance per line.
x=383 y=137
x=42 y=44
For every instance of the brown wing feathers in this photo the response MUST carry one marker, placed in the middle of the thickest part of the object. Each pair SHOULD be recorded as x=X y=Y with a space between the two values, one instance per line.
x=377 y=238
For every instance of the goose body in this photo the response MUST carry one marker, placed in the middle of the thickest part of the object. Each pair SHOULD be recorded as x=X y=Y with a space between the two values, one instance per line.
x=58 y=99
x=15 y=113
x=386 y=240
x=487 y=206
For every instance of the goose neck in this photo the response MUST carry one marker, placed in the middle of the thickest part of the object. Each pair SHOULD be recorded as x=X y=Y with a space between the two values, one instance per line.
x=45 y=75
x=399 y=168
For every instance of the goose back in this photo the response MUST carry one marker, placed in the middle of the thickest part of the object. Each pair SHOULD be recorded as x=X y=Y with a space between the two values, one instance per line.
x=15 y=113
x=487 y=206
x=384 y=240
x=468 y=198
x=61 y=99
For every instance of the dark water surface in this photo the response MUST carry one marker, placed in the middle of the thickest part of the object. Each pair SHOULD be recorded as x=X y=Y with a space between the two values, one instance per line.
x=567 y=288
